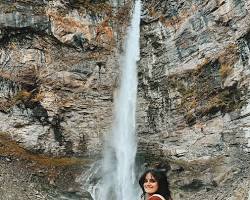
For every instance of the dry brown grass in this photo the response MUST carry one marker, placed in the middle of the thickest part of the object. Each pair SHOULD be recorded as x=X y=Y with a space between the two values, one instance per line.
x=23 y=95
x=229 y=55
x=200 y=97
x=225 y=70
x=227 y=60
x=43 y=165
x=9 y=147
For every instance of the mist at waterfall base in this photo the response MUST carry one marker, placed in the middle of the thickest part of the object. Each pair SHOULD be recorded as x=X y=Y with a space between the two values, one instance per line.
x=117 y=169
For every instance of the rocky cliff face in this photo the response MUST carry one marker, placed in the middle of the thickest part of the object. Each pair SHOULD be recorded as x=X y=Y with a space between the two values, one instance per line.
x=194 y=94
x=58 y=72
x=60 y=67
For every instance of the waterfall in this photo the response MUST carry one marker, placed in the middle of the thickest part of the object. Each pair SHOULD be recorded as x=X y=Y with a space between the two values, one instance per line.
x=123 y=143
x=118 y=180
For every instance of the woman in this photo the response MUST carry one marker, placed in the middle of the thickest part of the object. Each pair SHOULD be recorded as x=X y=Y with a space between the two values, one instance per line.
x=155 y=186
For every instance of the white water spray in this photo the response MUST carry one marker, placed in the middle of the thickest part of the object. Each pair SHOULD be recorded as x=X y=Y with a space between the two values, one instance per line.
x=118 y=176
x=119 y=158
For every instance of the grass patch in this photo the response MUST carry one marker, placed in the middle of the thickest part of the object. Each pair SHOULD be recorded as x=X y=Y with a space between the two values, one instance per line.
x=27 y=98
x=227 y=59
x=9 y=147
x=202 y=92
x=225 y=70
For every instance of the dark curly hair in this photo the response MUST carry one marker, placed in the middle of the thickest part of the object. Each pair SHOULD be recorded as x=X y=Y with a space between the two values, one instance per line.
x=161 y=178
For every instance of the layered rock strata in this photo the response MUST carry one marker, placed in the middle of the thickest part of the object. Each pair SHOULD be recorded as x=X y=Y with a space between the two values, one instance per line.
x=194 y=94
x=60 y=68
x=58 y=73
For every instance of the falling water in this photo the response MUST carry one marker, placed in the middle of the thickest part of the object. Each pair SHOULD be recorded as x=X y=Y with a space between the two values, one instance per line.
x=118 y=176
x=119 y=158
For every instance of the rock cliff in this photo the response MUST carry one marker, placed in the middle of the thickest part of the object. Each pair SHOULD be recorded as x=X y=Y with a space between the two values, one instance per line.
x=194 y=95
x=60 y=67
x=57 y=74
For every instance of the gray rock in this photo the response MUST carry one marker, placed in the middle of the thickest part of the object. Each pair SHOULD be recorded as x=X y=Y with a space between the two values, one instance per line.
x=57 y=88
x=18 y=20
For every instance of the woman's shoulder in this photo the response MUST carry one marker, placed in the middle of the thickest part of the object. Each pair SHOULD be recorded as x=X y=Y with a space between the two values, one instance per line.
x=156 y=197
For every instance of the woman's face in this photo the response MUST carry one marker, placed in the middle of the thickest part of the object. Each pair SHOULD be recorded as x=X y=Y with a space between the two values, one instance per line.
x=150 y=184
